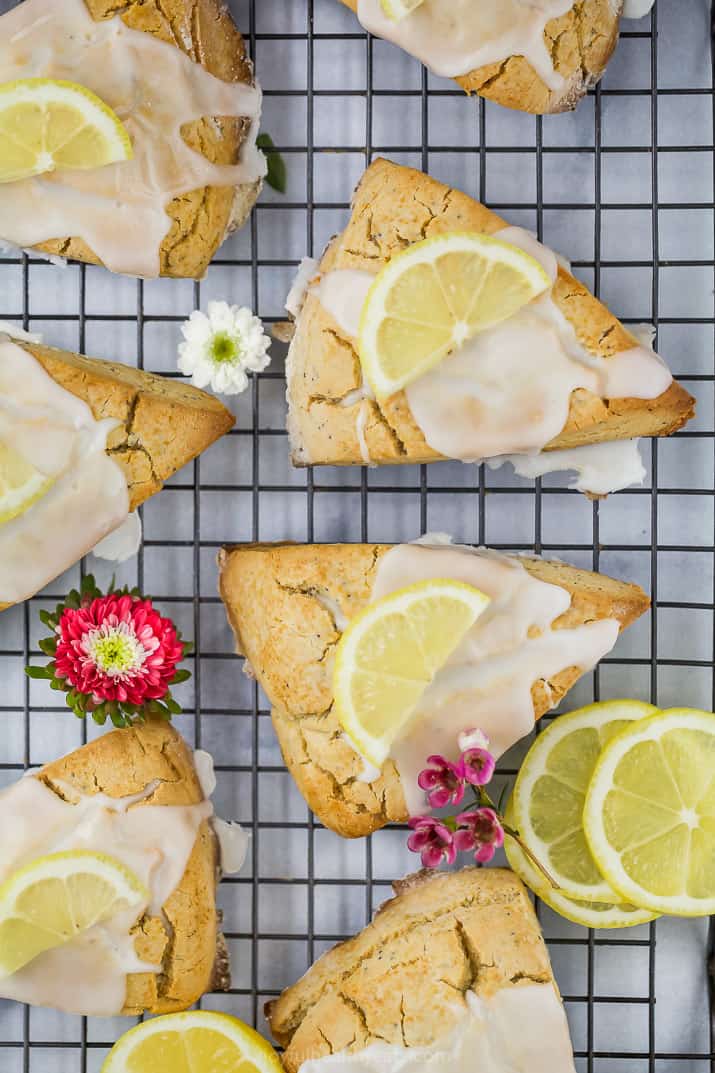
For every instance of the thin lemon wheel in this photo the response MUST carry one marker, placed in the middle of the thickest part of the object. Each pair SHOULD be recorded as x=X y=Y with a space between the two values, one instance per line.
x=47 y=123
x=588 y=914
x=433 y=297
x=650 y=813
x=550 y=791
x=55 y=898
x=199 y=1041
x=21 y=484
x=398 y=9
x=390 y=653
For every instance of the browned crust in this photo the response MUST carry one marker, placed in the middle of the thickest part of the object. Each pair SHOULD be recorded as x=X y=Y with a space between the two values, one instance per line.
x=403 y=979
x=393 y=207
x=200 y=218
x=163 y=423
x=271 y=593
x=580 y=42
x=125 y=762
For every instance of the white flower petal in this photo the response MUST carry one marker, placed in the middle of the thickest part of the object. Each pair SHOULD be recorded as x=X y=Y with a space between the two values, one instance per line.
x=245 y=330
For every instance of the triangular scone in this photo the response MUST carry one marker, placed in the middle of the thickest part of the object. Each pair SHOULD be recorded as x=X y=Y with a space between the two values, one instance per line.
x=201 y=219
x=580 y=42
x=163 y=423
x=185 y=940
x=404 y=979
x=395 y=206
x=285 y=603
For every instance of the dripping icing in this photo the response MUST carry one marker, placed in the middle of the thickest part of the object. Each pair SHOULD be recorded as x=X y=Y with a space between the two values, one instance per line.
x=120 y=210
x=484 y=400
x=488 y=679
x=57 y=433
x=487 y=1029
x=454 y=37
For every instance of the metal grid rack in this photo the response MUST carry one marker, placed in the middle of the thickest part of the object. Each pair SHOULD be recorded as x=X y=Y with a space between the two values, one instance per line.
x=626 y=186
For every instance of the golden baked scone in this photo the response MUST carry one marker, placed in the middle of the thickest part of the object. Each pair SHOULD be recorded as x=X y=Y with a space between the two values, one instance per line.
x=280 y=601
x=163 y=423
x=186 y=942
x=393 y=207
x=404 y=978
x=201 y=219
x=580 y=44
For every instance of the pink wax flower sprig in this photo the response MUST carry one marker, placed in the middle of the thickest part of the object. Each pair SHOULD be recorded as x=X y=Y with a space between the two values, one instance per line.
x=113 y=656
x=479 y=830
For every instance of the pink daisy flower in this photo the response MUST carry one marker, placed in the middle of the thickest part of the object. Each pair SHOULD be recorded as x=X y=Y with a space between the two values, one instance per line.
x=117 y=648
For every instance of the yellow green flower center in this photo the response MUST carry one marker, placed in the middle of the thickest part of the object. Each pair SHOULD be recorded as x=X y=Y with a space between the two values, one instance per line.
x=116 y=650
x=224 y=348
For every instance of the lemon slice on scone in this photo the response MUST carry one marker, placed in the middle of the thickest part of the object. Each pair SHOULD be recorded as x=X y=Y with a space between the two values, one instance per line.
x=550 y=791
x=591 y=914
x=650 y=813
x=21 y=484
x=398 y=9
x=198 y=1041
x=47 y=124
x=433 y=297
x=55 y=898
x=390 y=653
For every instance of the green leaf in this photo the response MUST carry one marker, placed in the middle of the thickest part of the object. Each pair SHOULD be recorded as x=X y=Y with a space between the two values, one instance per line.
x=38 y=672
x=48 y=645
x=277 y=175
x=180 y=676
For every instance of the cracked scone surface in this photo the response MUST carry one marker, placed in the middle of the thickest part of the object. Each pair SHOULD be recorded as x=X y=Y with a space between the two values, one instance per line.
x=163 y=423
x=580 y=44
x=404 y=978
x=393 y=207
x=200 y=219
x=186 y=942
x=281 y=601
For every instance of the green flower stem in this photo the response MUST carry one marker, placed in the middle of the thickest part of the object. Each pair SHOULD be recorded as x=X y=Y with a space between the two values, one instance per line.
x=485 y=801
x=525 y=849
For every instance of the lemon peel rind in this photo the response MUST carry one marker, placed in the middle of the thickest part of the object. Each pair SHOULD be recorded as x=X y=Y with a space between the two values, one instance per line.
x=560 y=728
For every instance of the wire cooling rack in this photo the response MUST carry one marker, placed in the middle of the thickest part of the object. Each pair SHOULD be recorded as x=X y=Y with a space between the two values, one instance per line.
x=625 y=187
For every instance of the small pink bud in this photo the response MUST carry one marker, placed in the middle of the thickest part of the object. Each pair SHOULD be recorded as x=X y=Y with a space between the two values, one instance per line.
x=442 y=781
x=472 y=739
x=432 y=840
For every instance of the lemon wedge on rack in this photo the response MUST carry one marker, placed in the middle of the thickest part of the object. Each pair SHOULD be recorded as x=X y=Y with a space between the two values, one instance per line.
x=47 y=124
x=649 y=814
x=21 y=484
x=199 y=1041
x=550 y=791
x=591 y=914
x=55 y=898
x=433 y=297
x=390 y=653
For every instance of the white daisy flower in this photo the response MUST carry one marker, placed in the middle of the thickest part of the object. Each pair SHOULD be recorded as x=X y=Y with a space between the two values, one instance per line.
x=221 y=347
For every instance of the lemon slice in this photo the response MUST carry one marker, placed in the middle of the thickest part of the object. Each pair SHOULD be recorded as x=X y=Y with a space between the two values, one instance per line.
x=56 y=898
x=47 y=124
x=550 y=791
x=435 y=296
x=195 y=1042
x=650 y=813
x=397 y=9
x=21 y=484
x=390 y=653
x=587 y=914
